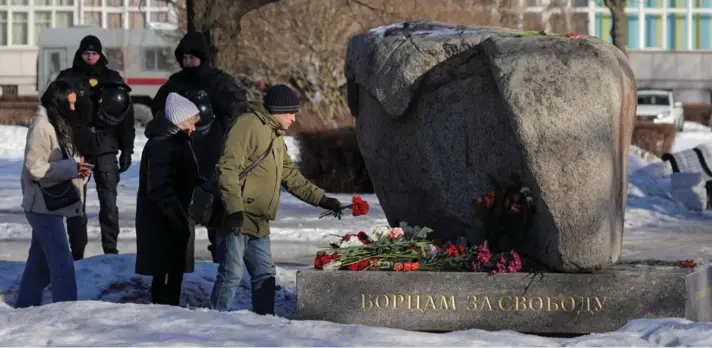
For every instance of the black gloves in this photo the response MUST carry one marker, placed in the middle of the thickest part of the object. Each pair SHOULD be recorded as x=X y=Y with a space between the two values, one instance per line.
x=124 y=161
x=331 y=204
x=234 y=222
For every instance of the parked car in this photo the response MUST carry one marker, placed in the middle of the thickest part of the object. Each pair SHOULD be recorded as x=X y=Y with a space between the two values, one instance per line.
x=658 y=106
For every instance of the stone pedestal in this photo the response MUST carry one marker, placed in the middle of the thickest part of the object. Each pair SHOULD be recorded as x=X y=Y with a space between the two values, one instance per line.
x=547 y=303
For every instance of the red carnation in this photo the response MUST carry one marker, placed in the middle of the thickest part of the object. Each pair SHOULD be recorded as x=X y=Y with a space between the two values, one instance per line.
x=359 y=206
x=363 y=237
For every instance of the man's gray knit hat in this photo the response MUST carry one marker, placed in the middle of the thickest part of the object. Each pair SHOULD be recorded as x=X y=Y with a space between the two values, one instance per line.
x=179 y=109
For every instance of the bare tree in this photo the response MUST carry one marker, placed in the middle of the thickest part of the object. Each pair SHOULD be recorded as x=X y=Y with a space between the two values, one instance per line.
x=618 y=29
x=303 y=42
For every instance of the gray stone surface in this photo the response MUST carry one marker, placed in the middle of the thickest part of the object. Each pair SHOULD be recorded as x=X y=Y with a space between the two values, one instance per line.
x=699 y=293
x=553 y=303
x=440 y=107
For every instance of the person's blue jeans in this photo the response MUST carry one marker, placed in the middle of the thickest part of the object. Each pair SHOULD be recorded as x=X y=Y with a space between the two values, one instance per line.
x=49 y=262
x=254 y=253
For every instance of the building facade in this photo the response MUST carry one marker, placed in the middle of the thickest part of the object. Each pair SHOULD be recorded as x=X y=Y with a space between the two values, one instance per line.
x=669 y=41
x=21 y=22
x=678 y=25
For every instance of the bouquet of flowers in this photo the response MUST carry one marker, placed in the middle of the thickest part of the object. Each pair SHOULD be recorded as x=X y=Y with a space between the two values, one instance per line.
x=407 y=248
x=358 y=207
x=504 y=214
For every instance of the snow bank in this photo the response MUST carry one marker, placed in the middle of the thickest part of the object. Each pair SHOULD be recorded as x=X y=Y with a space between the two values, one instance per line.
x=690 y=126
x=111 y=311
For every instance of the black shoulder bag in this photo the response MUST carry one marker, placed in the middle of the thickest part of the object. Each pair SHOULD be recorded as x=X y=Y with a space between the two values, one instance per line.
x=59 y=195
x=203 y=208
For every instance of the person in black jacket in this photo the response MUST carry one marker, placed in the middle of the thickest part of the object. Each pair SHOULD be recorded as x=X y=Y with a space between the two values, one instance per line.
x=217 y=95
x=165 y=235
x=104 y=127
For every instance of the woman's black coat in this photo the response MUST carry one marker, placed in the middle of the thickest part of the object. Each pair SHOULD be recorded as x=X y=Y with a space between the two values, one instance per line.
x=165 y=236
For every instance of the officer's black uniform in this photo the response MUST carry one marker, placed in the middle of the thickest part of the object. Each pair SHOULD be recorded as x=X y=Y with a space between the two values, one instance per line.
x=104 y=127
x=218 y=97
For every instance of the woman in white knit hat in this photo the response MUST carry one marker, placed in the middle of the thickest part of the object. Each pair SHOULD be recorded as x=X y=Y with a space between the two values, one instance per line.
x=165 y=235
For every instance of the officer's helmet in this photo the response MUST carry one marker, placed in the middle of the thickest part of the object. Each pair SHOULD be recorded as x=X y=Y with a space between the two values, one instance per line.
x=201 y=99
x=114 y=103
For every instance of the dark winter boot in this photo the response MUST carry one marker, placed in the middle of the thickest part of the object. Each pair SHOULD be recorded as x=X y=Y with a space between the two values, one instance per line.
x=263 y=297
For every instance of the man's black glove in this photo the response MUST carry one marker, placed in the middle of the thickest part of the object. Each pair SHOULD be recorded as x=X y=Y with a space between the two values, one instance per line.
x=124 y=161
x=331 y=204
x=234 y=222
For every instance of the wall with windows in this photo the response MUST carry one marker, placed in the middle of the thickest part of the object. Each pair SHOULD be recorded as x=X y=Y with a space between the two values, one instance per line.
x=661 y=24
x=22 y=21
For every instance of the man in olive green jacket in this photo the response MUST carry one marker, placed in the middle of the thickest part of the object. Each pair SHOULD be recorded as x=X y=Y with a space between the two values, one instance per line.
x=255 y=144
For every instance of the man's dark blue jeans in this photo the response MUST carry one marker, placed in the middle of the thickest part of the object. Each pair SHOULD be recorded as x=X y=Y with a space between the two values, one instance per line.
x=231 y=251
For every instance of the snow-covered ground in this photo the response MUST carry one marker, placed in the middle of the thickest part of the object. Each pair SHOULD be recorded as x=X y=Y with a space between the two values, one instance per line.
x=112 y=310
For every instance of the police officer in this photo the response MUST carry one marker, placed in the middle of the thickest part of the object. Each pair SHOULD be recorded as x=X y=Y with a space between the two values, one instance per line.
x=104 y=127
x=218 y=97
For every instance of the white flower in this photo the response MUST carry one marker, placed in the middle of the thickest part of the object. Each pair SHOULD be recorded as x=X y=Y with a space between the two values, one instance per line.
x=352 y=242
x=332 y=266
x=379 y=232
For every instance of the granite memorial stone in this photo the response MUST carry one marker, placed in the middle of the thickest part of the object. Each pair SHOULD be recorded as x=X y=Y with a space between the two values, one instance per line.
x=440 y=107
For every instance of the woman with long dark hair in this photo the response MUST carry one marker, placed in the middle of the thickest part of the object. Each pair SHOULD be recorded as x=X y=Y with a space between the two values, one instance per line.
x=53 y=177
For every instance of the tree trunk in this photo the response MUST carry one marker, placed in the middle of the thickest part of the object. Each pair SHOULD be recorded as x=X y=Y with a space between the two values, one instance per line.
x=618 y=29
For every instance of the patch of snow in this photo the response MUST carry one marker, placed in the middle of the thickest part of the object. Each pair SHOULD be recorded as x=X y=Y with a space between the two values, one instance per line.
x=444 y=32
x=689 y=126
x=111 y=311
x=687 y=140
x=639 y=158
x=380 y=31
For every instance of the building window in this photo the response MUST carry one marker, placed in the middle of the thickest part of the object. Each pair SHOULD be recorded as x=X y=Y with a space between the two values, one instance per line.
x=19 y=2
x=676 y=32
x=653 y=31
x=631 y=3
x=114 y=20
x=633 y=39
x=158 y=59
x=702 y=28
x=678 y=3
x=65 y=2
x=115 y=3
x=42 y=20
x=92 y=18
x=136 y=20
x=92 y=3
x=19 y=28
x=136 y=3
x=653 y=3
x=3 y=28
x=63 y=19
x=159 y=17
x=159 y=3
x=43 y=2
x=603 y=26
